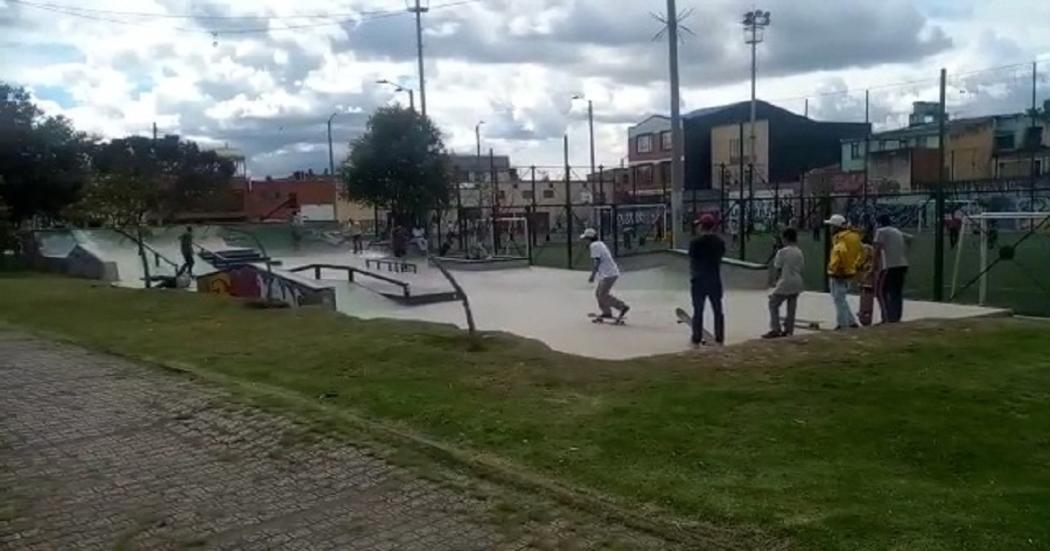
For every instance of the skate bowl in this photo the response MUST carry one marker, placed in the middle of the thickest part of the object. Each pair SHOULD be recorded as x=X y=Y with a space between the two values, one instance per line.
x=496 y=263
x=736 y=274
x=58 y=251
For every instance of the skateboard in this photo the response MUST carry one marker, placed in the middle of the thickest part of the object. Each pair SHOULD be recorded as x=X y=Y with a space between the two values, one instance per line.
x=867 y=306
x=807 y=325
x=599 y=320
x=685 y=318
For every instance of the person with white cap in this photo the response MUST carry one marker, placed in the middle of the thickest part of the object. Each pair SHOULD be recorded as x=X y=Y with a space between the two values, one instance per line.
x=607 y=272
x=847 y=254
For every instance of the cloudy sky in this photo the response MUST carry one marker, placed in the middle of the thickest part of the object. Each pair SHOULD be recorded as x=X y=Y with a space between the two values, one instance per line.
x=265 y=75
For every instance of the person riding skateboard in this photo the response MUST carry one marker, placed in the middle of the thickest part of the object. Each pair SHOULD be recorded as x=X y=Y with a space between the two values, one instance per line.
x=705 y=270
x=607 y=272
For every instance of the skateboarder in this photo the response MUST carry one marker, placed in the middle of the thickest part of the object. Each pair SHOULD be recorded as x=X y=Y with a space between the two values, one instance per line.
x=186 y=247
x=705 y=270
x=789 y=263
x=607 y=272
x=846 y=255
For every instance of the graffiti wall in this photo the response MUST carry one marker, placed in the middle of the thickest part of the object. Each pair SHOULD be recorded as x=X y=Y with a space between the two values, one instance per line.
x=250 y=282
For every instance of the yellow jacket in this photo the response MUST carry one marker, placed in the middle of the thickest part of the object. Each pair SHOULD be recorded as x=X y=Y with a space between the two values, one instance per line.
x=847 y=255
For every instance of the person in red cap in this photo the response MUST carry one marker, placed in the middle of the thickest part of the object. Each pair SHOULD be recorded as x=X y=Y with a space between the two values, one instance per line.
x=705 y=271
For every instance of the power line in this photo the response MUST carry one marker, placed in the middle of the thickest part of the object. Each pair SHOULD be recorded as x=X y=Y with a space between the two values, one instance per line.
x=109 y=16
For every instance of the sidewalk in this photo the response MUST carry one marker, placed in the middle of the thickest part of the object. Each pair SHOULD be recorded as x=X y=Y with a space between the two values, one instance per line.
x=98 y=453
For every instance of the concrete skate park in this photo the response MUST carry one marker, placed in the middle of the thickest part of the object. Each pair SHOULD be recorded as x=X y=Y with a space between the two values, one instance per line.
x=506 y=295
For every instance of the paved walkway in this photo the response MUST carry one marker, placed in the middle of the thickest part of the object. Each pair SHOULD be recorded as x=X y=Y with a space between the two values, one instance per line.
x=98 y=453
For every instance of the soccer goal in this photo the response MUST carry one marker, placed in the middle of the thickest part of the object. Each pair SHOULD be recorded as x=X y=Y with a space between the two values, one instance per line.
x=988 y=225
x=510 y=237
x=635 y=225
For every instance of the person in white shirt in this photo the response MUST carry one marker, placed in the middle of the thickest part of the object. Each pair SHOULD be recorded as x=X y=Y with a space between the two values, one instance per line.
x=607 y=272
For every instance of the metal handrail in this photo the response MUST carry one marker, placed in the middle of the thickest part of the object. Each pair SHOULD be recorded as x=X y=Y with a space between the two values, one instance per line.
x=351 y=271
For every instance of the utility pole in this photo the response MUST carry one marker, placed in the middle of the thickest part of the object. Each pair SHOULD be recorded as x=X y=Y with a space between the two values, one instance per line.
x=590 y=122
x=154 y=131
x=806 y=108
x=677 y=147
x=331 y=154
x=867 y=146
x=938 y=260
x=477 y=138
x=568 y=206
x=419 y=11
x=1033 y=173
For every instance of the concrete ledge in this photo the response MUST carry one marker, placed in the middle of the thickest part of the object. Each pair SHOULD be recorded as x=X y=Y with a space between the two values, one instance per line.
x=255 y=282
x=484 y=265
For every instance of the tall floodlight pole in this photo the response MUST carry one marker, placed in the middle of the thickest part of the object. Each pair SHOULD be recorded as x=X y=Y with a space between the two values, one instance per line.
x=419 y=10
x=677 y=147
x=755 y=22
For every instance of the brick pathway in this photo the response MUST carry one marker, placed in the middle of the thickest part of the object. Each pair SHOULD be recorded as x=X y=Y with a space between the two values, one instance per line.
x=98 y=453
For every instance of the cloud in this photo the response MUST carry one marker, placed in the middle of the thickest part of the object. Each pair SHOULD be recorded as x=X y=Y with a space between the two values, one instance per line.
x=513 y=63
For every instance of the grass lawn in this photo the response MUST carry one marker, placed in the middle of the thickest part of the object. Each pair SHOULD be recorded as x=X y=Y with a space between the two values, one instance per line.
x=928 y=436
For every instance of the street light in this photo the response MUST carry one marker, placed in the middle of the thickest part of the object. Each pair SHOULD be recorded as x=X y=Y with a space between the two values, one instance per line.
x=399 y=88
x=590 y=122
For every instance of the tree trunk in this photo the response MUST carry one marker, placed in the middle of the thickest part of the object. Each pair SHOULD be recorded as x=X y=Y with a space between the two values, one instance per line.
x=471 y=328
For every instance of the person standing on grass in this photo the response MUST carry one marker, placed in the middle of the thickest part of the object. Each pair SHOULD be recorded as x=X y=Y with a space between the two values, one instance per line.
x=789 y=263
x=607 y=272
x=705 y=270
x=186 y=247
x=846 y=255
x=891 y=257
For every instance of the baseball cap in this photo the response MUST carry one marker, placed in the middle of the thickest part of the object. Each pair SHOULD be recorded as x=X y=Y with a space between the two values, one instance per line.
x=705 y=221
x=837 y=221
x=589 y=233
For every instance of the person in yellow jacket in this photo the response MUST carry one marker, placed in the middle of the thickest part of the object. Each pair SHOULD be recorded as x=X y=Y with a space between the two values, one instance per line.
x=847 y=255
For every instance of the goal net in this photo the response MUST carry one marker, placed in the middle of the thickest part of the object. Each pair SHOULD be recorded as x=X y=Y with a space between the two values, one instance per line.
x=510 y=237
x=1004 y=246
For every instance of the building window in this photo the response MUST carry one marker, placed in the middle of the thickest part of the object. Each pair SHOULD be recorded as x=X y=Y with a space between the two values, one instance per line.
x=644 y=143
x=527 y=194
x=548 y=194
x=665 y=141
x=1004 y=140
x=644 y=175
x=902 y=144
x=854 y=150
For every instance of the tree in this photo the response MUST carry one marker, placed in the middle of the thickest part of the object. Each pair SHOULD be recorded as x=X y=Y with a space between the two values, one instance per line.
x=43 y=160
x=136 y=176
x=400 y=164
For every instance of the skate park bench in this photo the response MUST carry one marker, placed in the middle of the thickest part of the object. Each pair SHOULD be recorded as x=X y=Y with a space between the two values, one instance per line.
x=392 y=265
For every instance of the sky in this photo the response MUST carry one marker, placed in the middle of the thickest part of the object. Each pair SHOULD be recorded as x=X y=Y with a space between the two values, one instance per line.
x=264 y=76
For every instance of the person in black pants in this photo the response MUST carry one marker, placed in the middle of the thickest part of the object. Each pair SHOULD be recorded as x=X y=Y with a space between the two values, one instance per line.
x=705 y=267
x=891 y=256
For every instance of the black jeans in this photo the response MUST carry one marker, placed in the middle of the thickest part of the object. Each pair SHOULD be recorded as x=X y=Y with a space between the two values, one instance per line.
x=704 y=290
x=893 y=293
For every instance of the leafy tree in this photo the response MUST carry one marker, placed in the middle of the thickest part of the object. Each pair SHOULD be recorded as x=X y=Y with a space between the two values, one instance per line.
x=399 y=164
x=137 y=176
x=43 y=160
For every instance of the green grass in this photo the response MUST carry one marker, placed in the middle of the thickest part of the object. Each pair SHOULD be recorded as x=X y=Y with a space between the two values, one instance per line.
x=930 y=436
